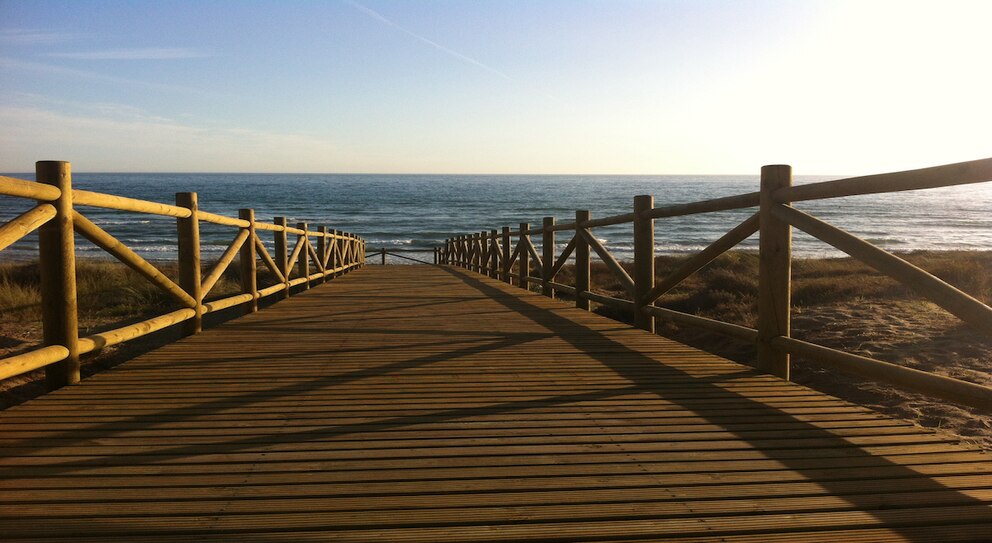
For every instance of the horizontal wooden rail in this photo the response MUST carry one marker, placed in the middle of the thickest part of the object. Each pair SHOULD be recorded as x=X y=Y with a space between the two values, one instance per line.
x=946 y=388
x=22 y=188
x=741 y=201
x=961 y=173
x=58 y=221
x=25 y=223
x=773 y=222
x=744 y=333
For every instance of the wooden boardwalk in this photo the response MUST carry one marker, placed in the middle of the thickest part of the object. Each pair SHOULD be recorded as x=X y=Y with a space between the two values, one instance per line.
x=417 y=403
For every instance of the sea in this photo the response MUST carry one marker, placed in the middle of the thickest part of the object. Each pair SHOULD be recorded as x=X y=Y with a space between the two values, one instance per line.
x=420 y=211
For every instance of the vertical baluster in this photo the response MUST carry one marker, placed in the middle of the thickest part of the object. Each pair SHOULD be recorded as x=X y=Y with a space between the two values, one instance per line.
x=57 y=263
x=524 y=257
x=643 y=260
x=249 y=278
x=189 y=259
x=582 y=264
x=507 y=251
x=774 y=273
x=547 y=256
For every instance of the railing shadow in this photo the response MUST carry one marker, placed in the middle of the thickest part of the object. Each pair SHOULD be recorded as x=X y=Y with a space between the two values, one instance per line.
x=642 y=371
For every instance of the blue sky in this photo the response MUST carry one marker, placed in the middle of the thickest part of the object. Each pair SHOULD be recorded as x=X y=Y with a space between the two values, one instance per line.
x=651 y=87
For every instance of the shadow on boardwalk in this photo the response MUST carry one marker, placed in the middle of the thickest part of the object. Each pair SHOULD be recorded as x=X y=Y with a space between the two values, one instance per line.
x=642 y=372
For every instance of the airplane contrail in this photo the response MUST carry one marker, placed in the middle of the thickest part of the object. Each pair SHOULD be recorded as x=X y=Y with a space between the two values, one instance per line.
x=464 y=58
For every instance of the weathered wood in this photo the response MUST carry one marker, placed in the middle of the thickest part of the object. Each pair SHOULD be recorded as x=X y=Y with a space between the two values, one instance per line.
x=121 y=203
x=297 y=251
x=774 y=273
x=961 y=173
x=505 y=258
x=626 y=305
x=726 y=242
x=32 y=360
x=22 y=188
x=315 y=257
x=608 y=221
x=972 y=311
x=122 y=252
x=524 y=256
x=304 y=258
x=947 y=388
x=189 y=259
x=25 y=223
x=136 y=330
x=281 y=249
x=224 y=303
x=548 y=258
x=268 y=260
x=322 y=252
x=495 y=252
x=455 y=416
x=57 y=263
x=609 y=260
x=643 y=261
x=733 y=330
x=563 y=258
x=740 y=201
x=224 y=221
x=582 y=263
x=223 y=262
x=249 y=272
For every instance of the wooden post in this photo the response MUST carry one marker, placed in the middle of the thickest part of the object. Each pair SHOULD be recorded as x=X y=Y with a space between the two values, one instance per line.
x=581 y=262
x=304 y=260
x=249 y=278
x=494 y=254
x=282 y=253
x=547 y=256
x=338 y=261
x=507 y=251
x=189 y=259
x=383 y=256
x=484 y=252
x=774 y=273
x=322 y=251
x=524 y=257
x=643 y=260
x=57 y=263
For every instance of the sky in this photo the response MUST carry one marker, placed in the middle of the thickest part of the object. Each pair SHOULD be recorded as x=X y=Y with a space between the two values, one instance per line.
x=494 y=86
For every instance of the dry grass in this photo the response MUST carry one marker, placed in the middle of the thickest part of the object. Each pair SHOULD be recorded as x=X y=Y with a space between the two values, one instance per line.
x=109 y=295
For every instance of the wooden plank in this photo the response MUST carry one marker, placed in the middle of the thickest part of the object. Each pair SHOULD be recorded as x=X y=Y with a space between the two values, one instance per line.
x=429 y=403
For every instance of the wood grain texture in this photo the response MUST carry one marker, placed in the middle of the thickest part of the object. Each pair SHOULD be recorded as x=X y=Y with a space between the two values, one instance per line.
x=429 y=403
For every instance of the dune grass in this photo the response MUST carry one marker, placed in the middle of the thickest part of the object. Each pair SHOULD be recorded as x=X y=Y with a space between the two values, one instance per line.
x=843 y=304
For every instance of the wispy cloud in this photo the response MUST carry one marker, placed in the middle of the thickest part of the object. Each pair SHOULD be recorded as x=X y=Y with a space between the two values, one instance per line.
x=151 y=143
x=451 y=52
x=140 y=53
x=9 y=64
x=30 y=36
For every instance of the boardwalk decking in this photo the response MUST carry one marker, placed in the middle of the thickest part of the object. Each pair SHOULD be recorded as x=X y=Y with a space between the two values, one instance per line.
x=414 y=403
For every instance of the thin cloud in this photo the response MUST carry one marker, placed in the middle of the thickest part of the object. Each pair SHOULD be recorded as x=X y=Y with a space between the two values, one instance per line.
x=29 y=36
x=464 y=58
x=141 y=53
x=9 y=64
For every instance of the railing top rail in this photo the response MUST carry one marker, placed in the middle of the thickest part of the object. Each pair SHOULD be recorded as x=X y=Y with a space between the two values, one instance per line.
x=961 y=173
x=23 y=188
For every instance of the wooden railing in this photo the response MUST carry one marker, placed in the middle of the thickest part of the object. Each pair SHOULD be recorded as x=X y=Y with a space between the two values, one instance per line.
x=399 y=253
x=493 y=253
x=57 y=218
